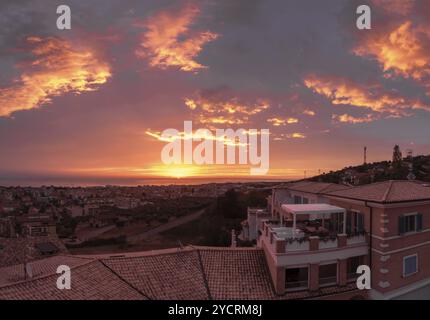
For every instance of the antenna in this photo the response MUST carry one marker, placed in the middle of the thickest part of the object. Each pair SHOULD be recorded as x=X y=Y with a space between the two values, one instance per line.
x=365 y=155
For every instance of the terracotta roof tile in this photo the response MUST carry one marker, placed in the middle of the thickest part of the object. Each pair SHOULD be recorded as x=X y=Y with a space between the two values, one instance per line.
x=237 y=273
x=19 y=250
x=315 y=187
x=173 y=276
x=387 y=191
x=39 y=268
x=91 y=281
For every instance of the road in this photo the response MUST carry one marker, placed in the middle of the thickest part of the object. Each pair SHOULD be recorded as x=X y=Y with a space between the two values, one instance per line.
x=87 y=233
x=164 y=227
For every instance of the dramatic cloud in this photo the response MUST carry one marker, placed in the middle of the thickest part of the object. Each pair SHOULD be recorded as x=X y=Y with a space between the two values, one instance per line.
x=342 y=91
x=346 y=118
x=57 y=68
x=308 y=112
x=284 y=136
x=196 y=136
x=401 y=52
x=221 y=107
x=282 y=122
x=170 y=42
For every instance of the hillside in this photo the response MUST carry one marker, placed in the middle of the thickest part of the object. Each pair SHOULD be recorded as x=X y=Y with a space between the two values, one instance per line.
x=417 y=167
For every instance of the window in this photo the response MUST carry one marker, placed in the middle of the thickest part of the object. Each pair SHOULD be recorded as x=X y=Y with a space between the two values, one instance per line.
x=297 y=200
x=354 y=222
x=352 y=265
x=305 y=200
x=296 y=279
x=410 y=223
x=328 y=274
x=410 y=265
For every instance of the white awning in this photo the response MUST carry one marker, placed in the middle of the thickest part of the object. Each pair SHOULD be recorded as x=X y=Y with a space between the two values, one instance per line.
x=320 y=209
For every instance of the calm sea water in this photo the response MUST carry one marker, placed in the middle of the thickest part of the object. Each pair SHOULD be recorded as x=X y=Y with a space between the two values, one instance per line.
x=87 y=182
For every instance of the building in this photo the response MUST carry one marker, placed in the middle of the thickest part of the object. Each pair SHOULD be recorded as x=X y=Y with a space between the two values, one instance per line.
x=37 y=225
x=308 y=246
x=191 y=273
x=309 y=250
x=384 y=225
x=251 y=225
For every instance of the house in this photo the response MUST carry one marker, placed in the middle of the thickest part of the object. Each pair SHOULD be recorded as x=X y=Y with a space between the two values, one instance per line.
x=383 y=225
x=37 y=225
x=250 y=226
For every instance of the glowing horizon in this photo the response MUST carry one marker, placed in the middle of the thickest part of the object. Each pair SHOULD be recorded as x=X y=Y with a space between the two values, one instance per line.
x=93 y=101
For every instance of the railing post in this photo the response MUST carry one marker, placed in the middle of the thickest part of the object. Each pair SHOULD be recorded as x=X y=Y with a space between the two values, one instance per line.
x=342 y=240
x=314 y=243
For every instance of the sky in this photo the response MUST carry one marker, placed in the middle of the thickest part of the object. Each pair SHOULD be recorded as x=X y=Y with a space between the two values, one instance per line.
x=92 y=102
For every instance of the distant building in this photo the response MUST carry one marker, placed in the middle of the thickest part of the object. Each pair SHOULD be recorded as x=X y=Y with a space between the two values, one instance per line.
x=37 y=225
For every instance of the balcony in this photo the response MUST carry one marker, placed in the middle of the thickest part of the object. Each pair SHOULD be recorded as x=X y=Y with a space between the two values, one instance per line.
x=283 y=240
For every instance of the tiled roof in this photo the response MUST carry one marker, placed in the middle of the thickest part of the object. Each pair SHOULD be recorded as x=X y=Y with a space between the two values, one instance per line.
x=174 y=276
x=315 y=187
x=387 y=191
x=39 y=268
x=90 y=281
x=20 y=250
x=190 y=273
x=237 y=274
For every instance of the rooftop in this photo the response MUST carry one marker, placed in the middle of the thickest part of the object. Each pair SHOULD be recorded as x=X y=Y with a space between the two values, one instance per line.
x=387 y=191
x=174 y=274
x=315 y=187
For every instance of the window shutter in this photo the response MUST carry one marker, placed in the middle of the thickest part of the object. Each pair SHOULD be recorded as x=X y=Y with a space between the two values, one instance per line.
x=419 y=222
x=401 y=225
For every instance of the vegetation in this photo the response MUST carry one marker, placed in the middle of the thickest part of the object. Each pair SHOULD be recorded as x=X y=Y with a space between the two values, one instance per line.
x=401 y=168
x=214 y=227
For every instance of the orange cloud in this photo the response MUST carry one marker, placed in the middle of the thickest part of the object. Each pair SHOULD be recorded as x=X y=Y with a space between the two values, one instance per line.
x=282 y=122
x=341 y=91
x=294 y=135
x=217 y=107
x=346 y=118
x=57 y=68
x=404 y=51
x=196 y=136
x=309 y=112
x=170 y=42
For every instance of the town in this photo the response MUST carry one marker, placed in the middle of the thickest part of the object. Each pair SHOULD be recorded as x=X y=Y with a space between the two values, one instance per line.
x=302 y=239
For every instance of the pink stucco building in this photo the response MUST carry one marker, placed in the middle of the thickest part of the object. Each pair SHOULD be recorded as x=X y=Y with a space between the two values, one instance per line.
x=319 y=233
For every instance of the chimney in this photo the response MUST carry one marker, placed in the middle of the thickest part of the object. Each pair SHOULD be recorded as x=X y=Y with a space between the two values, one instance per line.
x=233 y=239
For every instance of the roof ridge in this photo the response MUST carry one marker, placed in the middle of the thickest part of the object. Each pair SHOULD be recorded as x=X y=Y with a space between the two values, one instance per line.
x=125 y=281
x=387 y=192
x=205 y=280
x=148 y=253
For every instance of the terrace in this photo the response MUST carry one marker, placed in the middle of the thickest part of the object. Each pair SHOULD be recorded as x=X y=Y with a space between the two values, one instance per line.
x=311 y=248
x=308 y=227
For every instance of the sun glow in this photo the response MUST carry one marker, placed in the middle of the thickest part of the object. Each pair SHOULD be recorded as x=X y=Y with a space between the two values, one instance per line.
x=177 y=171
